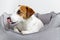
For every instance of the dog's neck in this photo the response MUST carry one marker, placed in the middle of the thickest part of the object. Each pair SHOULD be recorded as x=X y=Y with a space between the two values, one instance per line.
x=30 y=18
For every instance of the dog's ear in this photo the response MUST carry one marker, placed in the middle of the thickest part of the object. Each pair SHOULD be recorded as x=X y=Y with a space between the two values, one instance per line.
x=30 y=12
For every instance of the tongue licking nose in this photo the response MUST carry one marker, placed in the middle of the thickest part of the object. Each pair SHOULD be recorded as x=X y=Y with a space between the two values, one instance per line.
x=9 y=20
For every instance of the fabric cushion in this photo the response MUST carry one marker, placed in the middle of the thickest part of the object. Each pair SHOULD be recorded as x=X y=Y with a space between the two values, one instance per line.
x=45 y=18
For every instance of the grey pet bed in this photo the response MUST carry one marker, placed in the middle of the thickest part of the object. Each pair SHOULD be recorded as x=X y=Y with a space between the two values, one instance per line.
x=51 y=30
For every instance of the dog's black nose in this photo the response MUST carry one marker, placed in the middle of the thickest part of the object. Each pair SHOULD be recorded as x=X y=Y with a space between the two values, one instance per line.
x=18 y=12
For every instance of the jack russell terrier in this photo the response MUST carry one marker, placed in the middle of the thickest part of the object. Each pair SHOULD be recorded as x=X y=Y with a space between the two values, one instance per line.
x=27 y=21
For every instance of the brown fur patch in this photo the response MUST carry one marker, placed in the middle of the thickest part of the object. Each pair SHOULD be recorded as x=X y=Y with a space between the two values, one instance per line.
x=25 y=11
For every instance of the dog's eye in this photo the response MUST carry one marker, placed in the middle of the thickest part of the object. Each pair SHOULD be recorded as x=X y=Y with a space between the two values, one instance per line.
x=18 y=12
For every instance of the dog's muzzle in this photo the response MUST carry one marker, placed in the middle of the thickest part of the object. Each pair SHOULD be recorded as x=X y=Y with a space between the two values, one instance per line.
x=16 y=18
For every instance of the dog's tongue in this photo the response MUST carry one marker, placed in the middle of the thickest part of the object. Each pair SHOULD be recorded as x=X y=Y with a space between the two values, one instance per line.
x=15 y=18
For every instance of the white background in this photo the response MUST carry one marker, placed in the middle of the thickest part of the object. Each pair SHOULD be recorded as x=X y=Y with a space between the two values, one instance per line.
x=40 y=6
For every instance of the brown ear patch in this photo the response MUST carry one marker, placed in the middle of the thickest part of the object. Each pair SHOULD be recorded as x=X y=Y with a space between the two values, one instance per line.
x=29 y=12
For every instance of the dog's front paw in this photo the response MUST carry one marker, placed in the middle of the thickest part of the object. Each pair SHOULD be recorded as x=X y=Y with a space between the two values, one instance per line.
x=16 y=30
x=25 y=32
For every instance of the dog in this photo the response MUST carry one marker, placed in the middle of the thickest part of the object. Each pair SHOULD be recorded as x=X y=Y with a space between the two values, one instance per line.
x=25 y=16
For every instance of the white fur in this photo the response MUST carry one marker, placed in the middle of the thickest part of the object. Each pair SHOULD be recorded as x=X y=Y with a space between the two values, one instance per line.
x=16 y=17
x=31 y=25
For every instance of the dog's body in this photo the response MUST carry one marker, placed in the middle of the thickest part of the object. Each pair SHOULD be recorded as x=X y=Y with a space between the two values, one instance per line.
x=33 y=24
x=30 y=24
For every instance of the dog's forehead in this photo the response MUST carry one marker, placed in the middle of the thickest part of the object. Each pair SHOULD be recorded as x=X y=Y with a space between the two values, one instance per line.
x=20 y=7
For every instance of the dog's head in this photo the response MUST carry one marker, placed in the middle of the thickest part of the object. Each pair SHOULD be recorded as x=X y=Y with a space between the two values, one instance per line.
x=25 y=11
